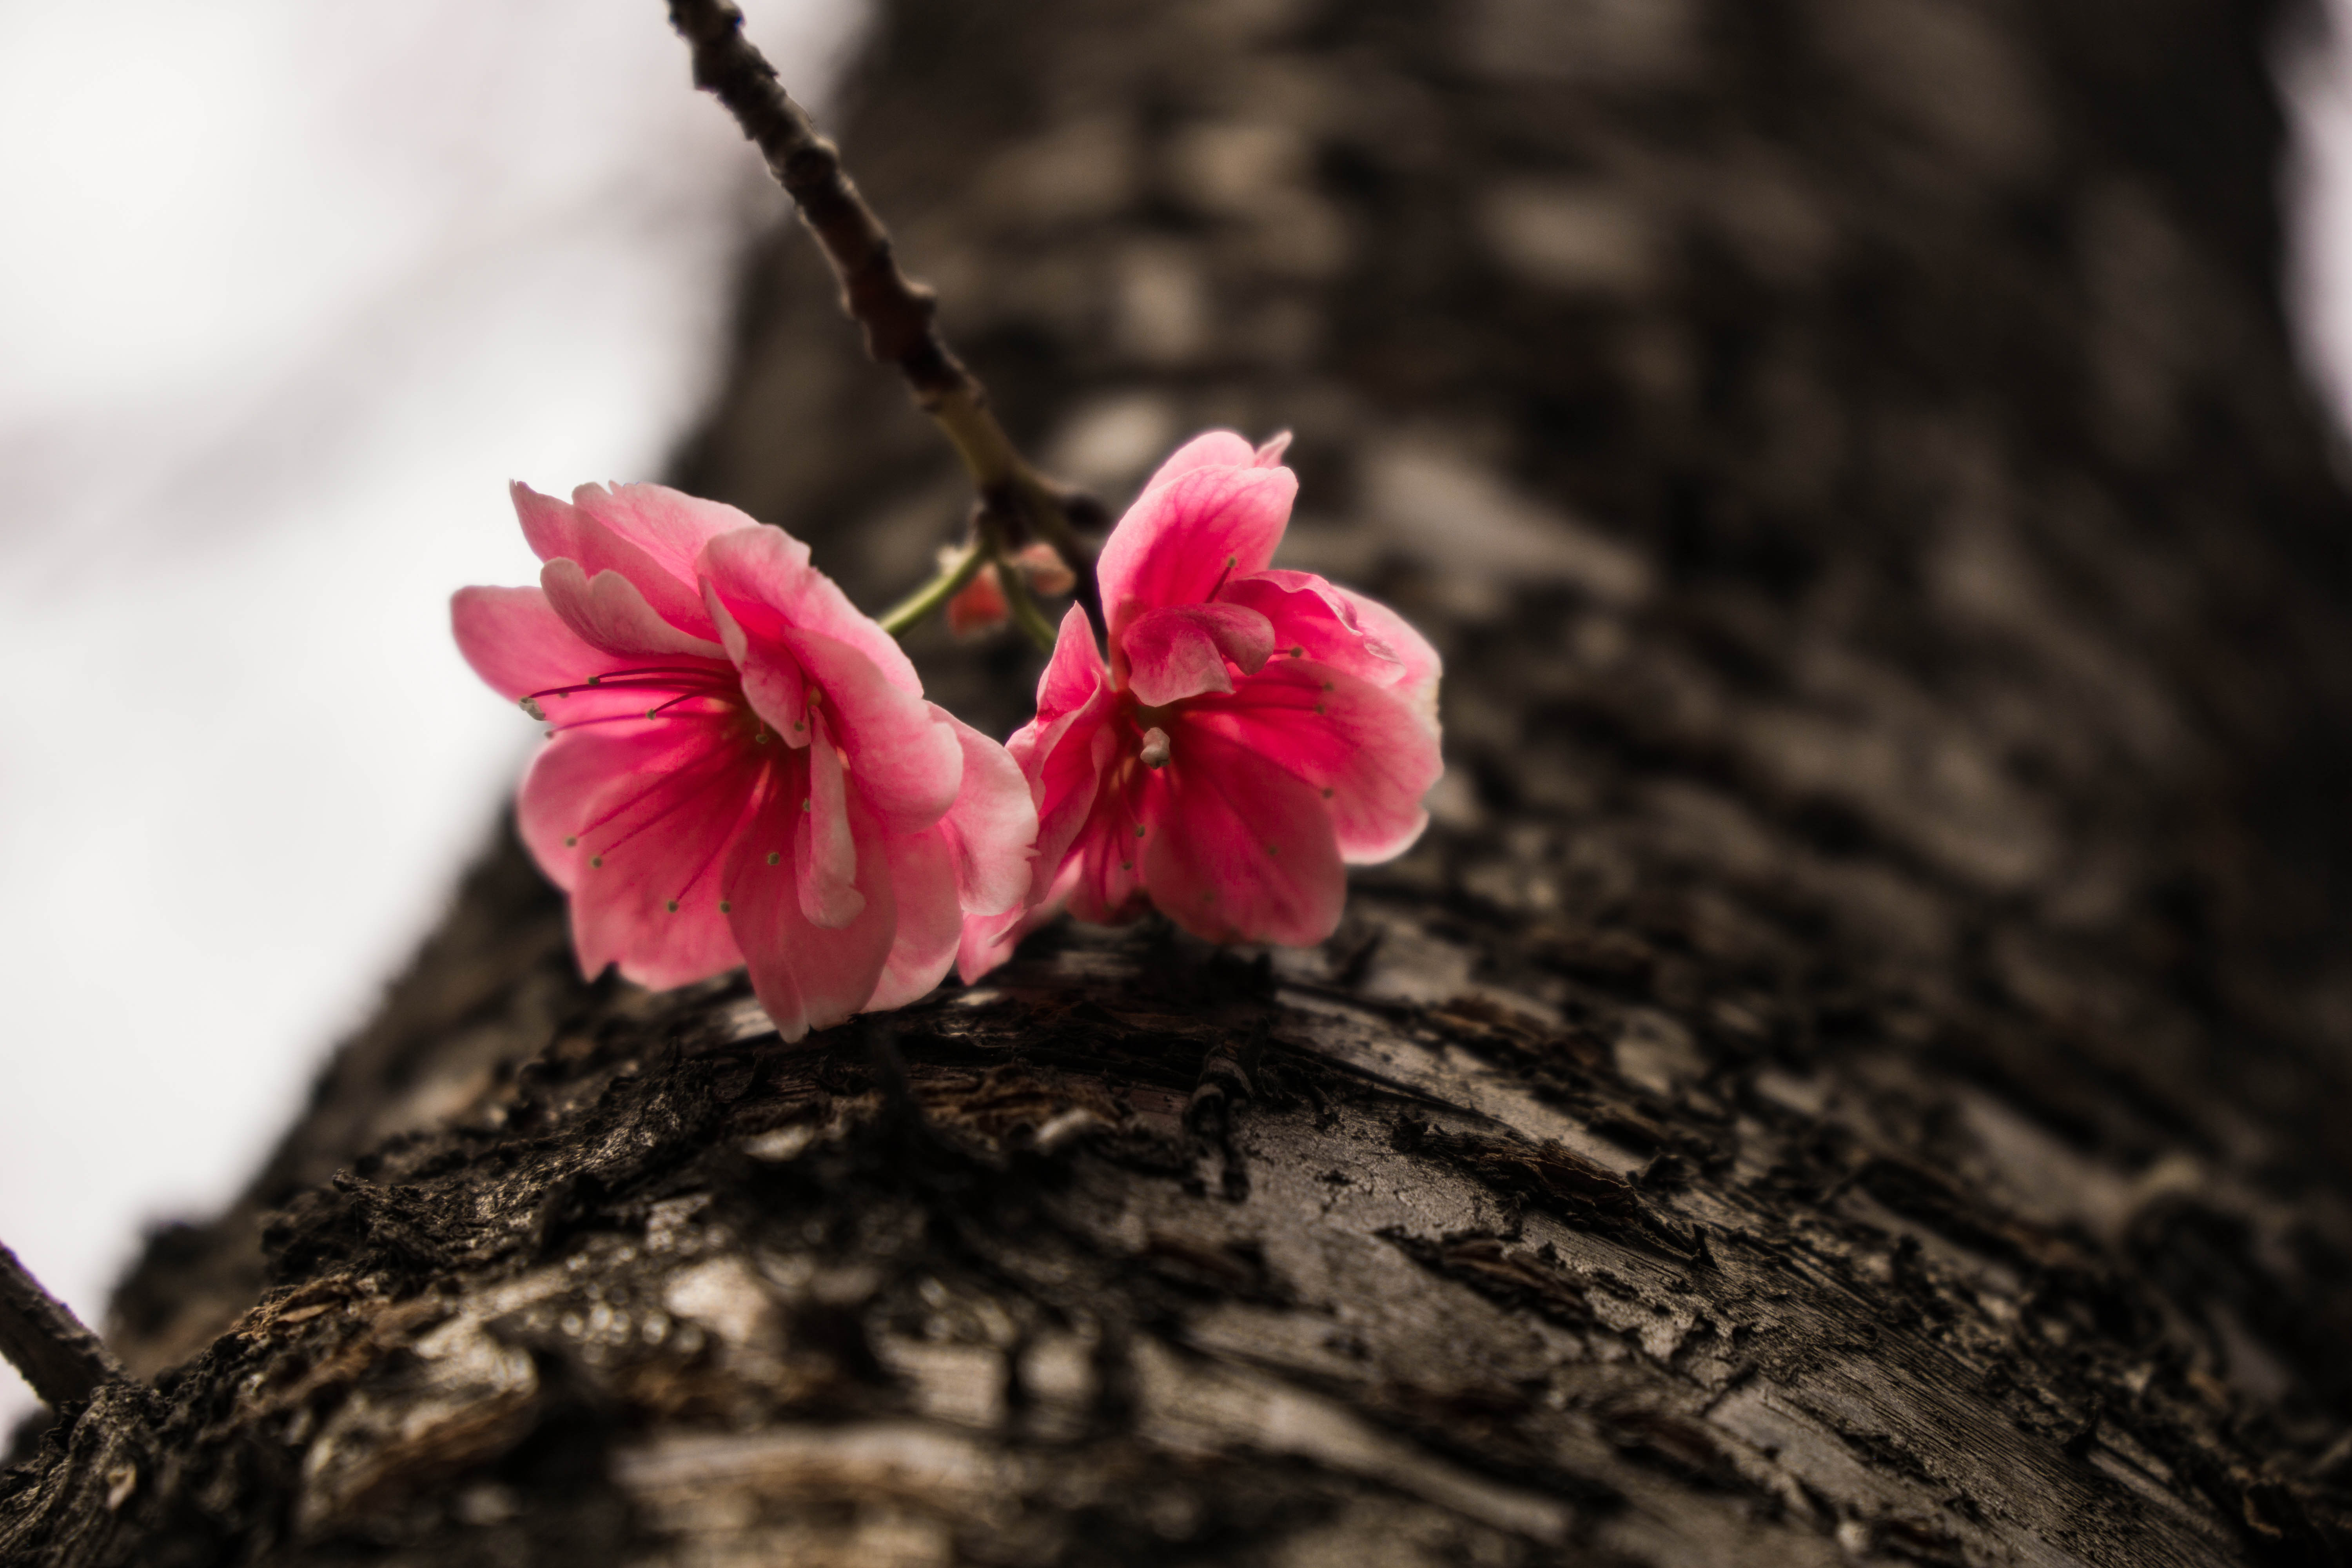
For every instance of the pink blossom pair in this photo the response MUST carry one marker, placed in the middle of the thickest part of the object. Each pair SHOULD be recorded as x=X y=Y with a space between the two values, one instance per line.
x=742 y=768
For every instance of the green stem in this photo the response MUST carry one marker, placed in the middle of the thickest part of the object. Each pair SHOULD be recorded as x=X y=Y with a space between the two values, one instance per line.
x=916 y=608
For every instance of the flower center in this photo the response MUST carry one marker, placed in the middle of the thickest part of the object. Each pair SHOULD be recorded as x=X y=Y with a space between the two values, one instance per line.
x=1153 y=745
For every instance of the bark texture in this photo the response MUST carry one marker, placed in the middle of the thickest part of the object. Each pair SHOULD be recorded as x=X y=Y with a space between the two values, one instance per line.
x=1859 y=1070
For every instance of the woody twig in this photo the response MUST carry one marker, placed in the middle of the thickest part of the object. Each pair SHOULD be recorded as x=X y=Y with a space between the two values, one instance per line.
x=898 y=315
x=42 y=1339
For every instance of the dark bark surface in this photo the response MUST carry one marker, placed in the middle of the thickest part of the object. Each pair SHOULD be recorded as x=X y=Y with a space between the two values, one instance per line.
x=1858 y=1070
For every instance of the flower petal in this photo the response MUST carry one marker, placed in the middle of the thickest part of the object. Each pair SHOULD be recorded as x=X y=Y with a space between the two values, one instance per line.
x=1075 y=673
x=1209 y=449
x=991 y=828
x=559 y=530
x=764 y=578
x=651 y=845
x=670 y=526
x=570 y=775
x=1313 y=619
x=921 y=870
x=1065 y=765
x=806 y=977
x=903 y=759
x=1181 y=650
x=1182 y=539
x=608 y=611
x=989 y=940
x=774 y=682
x=1239 y=850
x=516 y=641
x=826 y=858
x=1388 y=633
x=1102 y=876
x=1368 y=750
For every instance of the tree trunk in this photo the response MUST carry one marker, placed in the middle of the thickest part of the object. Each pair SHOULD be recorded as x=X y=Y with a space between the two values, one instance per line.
x=1858 y=1070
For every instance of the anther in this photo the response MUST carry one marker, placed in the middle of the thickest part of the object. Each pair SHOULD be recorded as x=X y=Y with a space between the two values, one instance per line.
x=596 y=860
x=595 y=680
x=673 y=906
x=1327 y=792
x=571 y=842
x=725 y=908
x=1139 y=830
x=1155 y=748
x=1319 y=707
x=1296 y=651
x=774 y=856
x=530 y=706
x=804 y=803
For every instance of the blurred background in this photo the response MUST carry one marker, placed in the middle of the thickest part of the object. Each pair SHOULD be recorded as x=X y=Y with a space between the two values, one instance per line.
x=286 y=293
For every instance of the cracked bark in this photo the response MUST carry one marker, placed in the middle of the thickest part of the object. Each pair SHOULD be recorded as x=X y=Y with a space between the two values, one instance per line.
x=1857 y=1071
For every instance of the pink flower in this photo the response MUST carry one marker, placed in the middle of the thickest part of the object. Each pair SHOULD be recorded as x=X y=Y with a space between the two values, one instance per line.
x=1253 y=732
x=742 y=768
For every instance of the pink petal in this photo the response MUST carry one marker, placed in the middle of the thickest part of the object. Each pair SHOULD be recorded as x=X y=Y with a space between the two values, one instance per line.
x=922 y=880
x=806 y=977
x=1101 y=878
x=1239 y=850
x=991 y=828
x=763 y=577
x=1182 y=651
x=608 y=611
x=1180 y=540
x=1076 y=670
x=1312 y=619
x=558 y=800
x=657 y=833
x=516 y=641
x=826 y=856
x=1064 y=766
x=1209 y=449
x=670 y=526
x=1387 y=632
x=904 y=762
x=558 y=531
x=774 y=682
x=989 y=940
x=1368 y=752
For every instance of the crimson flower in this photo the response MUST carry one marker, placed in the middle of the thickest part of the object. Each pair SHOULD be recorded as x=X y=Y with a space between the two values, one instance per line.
x=1252 y=731
x=741 y=768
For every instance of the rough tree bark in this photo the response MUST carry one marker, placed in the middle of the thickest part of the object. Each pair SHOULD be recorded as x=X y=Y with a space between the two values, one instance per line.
x=1858 y=1070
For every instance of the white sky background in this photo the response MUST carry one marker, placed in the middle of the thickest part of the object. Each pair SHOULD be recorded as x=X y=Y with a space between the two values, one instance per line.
x=288 y=292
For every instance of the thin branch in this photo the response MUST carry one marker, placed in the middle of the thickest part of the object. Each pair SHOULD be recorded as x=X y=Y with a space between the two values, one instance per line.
x=917 y=607
x=43 y=1340
x=897 y=314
